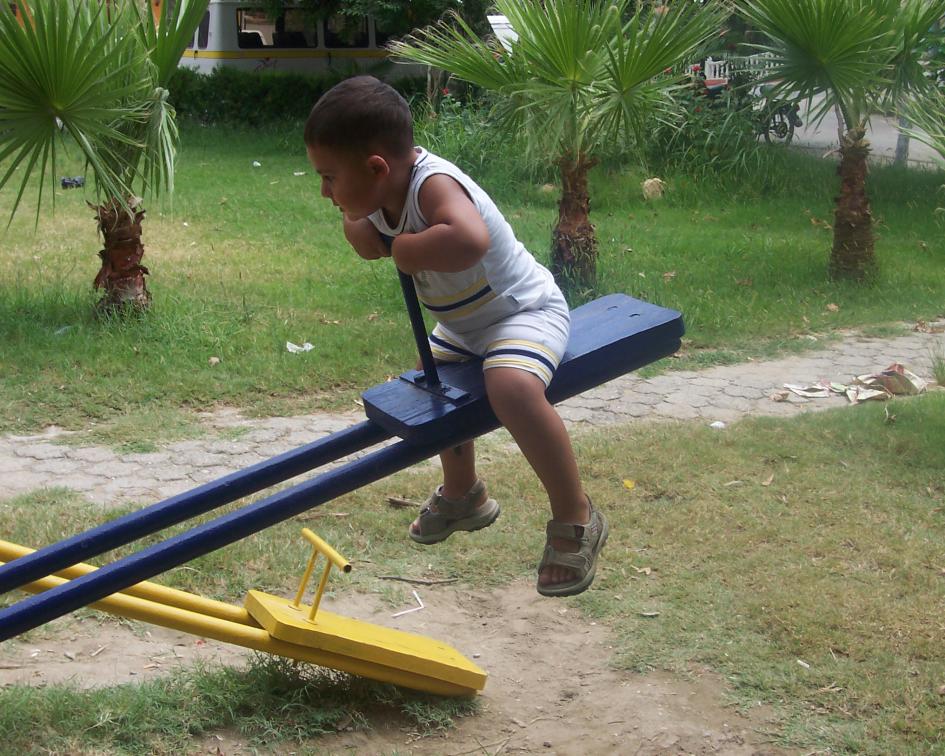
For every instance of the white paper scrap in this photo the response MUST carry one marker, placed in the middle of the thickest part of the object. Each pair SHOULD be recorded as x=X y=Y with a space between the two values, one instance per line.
x=296 y=349
x=412 y=609
x=809 y=392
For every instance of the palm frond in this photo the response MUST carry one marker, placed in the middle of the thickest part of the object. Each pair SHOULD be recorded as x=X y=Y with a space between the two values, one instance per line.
x=912 y=34
x=638 y=85
x=167 y=37
x=453 y=46
x=160 y=148
x=93 y=75
x=561 y=45
x=560 y=40
x=837 y=48
x=65 y=74
x=576 y=74
x=926 y=111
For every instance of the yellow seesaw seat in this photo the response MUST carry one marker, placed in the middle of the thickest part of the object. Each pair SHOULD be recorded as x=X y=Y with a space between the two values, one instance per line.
x=414 y=657
x=290 y=628
x=394 y=649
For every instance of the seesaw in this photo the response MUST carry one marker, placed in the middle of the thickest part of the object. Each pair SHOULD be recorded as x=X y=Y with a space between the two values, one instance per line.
x=429 y=410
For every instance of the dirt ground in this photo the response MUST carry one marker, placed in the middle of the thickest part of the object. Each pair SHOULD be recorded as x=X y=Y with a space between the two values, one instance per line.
x=551 y=687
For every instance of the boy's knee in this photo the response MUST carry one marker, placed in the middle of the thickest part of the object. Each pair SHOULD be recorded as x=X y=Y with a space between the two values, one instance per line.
x=510 y=388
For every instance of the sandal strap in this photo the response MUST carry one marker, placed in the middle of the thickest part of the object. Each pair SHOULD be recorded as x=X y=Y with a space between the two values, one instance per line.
x=586 y=536
x=454 y=509
x=570 y=531
x=577 y=561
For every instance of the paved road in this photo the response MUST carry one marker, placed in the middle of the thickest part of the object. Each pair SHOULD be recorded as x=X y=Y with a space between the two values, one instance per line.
x=720 y=394
x=882 y=134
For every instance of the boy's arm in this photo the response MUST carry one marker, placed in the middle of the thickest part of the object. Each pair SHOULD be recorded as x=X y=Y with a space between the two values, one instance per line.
x=363 y=236
x=457 y=237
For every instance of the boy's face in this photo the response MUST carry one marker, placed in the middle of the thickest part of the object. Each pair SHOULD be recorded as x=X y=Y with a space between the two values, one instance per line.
x=352 y=183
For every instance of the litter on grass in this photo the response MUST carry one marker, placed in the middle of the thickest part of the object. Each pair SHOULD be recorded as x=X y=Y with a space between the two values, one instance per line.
x=412 y=609
x=813 y=391
x=895 y=380
x=297 y=348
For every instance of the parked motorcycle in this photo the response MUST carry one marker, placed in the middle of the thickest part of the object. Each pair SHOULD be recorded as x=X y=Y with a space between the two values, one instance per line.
x=775 y=118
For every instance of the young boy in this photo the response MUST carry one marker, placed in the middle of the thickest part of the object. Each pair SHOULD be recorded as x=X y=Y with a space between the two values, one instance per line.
x=490 y=297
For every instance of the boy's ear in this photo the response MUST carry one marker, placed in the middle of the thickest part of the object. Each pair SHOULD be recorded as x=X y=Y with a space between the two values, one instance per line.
x=378 y=166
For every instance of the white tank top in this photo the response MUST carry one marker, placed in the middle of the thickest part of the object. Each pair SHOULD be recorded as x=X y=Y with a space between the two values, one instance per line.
x=505 y=281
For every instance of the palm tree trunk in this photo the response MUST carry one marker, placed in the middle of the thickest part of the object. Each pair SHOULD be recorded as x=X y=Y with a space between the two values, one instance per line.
x=902 y=142
x=574 y=244
x=853 y=255
x=122 y=274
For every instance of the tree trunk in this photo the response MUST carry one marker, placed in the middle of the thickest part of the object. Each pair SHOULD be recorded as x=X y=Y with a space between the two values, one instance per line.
x=573 y=242
x=841 y=123
x=853 y=254
x=902 y=142
x=122 y=274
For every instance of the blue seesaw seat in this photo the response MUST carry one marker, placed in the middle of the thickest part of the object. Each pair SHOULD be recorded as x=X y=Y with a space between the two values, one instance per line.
x=609 y=337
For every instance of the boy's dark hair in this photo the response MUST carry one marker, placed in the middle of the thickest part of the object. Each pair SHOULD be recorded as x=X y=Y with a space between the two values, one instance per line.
x=361 y=114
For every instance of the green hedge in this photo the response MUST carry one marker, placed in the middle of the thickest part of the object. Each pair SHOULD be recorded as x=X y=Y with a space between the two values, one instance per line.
x=254 y=98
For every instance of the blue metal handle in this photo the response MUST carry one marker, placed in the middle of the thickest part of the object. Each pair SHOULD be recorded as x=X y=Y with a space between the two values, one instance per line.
x=431 y=377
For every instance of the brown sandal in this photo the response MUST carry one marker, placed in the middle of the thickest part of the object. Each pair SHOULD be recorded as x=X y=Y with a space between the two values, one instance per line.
x=583 y=562
x=441 y=517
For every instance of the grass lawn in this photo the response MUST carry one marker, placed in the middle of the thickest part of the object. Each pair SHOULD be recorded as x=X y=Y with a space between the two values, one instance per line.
x=816 y=539
x=801 y=559
x=249 y=258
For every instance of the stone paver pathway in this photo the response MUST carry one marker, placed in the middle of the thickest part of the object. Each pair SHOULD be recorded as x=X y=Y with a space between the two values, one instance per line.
x=233 y=442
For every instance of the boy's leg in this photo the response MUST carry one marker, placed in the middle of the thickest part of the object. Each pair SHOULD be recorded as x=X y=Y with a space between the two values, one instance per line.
x=459 y=474
x=459 y=470
x=459 y=463
x=518 y=400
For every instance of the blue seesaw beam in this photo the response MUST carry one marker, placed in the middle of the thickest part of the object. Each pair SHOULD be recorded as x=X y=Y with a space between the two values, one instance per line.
x=135 y=568
x=609 y=337
x=183 y=506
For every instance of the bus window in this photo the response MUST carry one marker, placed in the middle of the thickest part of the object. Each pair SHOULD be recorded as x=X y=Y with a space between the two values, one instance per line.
x=291 y=31
x=254 y=28
x=380 y=36
x=345 y=31
x=203 y=31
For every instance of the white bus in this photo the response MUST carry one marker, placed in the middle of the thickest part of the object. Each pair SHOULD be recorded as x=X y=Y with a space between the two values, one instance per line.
x=238 y=33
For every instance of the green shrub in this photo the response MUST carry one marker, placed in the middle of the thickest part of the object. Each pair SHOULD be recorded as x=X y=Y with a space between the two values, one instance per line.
x=717 y=138
x=254 y=98
x=460 y=131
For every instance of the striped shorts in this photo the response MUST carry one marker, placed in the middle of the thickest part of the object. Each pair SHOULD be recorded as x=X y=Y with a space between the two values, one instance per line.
x=531 y=340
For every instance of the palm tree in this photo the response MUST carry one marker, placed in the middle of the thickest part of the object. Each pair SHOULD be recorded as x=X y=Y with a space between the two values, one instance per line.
x=927 y=113
x=859 y=56
x=92 y=76
x=577 y=77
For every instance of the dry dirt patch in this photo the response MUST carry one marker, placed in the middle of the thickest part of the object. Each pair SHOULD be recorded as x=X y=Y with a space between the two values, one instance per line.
x=551 y=689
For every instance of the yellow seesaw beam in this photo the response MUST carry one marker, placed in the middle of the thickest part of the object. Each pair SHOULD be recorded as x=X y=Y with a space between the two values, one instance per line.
x=358 y=648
